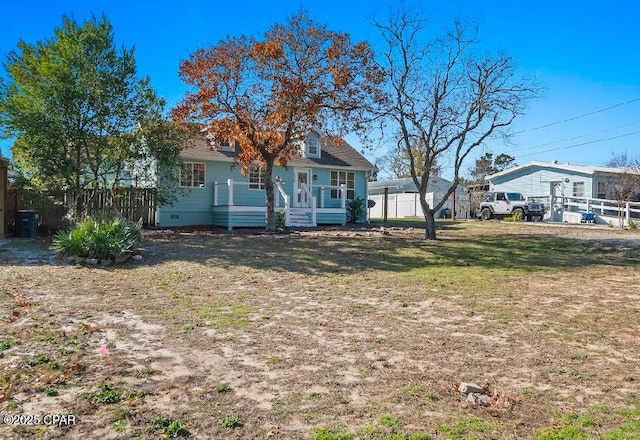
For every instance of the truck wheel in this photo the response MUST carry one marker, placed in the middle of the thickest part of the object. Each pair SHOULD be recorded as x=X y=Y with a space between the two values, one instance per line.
x=485 y=214
x=518 y=213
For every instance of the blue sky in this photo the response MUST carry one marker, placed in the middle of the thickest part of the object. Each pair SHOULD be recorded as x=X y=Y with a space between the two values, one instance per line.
x=586 y=55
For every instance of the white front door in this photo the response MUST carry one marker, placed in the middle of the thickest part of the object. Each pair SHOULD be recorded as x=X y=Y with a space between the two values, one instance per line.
x=301 y=185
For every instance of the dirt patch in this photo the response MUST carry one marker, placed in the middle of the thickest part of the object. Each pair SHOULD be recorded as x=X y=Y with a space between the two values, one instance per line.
x=333 y=330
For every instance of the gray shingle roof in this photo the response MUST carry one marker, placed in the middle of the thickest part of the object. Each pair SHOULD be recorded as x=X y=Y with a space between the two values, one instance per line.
x=332 y=155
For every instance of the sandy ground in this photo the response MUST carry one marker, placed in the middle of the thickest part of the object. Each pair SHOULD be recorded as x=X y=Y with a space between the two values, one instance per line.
x=333 y=329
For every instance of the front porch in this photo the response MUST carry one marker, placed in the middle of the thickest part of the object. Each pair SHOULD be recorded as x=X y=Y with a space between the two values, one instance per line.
x=307 y=206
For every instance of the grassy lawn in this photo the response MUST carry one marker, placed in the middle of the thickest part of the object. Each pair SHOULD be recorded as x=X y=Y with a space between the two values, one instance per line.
x=330 y=334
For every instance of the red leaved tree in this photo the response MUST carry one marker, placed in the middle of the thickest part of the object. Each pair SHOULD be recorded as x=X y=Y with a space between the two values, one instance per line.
x=267 y=94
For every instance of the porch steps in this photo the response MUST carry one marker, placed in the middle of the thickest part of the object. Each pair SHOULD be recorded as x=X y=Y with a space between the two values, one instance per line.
x=300 y=217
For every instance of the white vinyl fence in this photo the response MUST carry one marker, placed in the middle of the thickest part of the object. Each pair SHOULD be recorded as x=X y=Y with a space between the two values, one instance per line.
x=408 y=205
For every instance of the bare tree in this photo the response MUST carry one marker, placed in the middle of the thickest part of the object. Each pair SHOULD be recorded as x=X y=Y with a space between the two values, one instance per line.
x=623 y=187
x=444 y=99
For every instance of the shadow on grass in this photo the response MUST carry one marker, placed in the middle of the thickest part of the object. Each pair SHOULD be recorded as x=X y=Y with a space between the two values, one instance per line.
x=346 y=252
x=418 y=223
x=532 y=253
x=318 y=254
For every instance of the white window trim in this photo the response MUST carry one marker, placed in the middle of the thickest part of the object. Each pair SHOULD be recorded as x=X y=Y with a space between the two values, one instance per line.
x=315 y=136
x=261 y=180
x=346 y=180
x=230 y=146
x=578 y=185
x=204 y=184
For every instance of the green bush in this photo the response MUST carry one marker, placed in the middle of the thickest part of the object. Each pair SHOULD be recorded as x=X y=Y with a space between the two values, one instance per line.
x=280 y=220
x=355 y=209
x=100 y=239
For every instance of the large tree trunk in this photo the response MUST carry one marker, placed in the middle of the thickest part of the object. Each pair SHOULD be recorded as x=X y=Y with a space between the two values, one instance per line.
x=269 y=186
x=430 y=229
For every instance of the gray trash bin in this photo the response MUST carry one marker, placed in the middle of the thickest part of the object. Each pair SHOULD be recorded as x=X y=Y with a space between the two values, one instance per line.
x=27 y=224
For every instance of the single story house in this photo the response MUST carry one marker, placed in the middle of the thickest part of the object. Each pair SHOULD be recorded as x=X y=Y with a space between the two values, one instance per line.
x=569 y=192
x=538 y=179
x=403 y=200
x=313 y=189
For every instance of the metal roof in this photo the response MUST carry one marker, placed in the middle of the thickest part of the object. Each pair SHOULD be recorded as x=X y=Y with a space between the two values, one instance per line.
x=558 y=166
x=406 y=184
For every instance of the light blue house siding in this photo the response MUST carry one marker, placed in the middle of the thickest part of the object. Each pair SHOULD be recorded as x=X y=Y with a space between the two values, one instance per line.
x=210 y=204
x=544 y=181
x=193 y=205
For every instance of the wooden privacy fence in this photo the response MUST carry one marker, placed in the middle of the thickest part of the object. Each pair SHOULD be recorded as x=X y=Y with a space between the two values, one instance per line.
x=130 y=203
x=4 y=164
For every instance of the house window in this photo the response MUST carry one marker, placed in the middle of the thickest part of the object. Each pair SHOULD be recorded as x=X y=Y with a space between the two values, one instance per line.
x=225 y=145
x=256 y=178
x=229 y=145
x=602 y=190
x=346 y=178
x=312 y=145
x=192 y=175
x=578 y=189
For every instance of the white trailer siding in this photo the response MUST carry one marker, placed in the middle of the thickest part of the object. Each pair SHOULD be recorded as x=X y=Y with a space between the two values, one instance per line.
x=541 y=181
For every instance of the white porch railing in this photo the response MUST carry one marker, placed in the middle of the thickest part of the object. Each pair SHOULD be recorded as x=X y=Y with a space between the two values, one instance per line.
x=285 y=196
x=342 y=192
x=223 y=196
x=311 y=201
x=622 y=210
x=229 y=185
x=227 y=188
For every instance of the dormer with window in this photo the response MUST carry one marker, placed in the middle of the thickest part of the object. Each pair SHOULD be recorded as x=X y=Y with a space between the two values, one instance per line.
x=225 y=145
x=229 y=145
x=312 y=145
